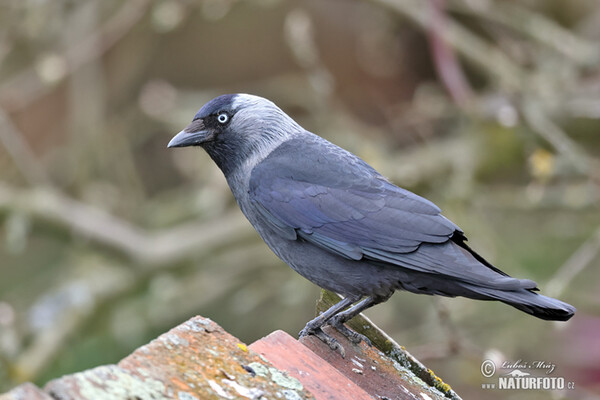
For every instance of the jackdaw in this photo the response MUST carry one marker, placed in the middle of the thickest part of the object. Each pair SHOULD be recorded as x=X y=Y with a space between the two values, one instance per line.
x=339 y=223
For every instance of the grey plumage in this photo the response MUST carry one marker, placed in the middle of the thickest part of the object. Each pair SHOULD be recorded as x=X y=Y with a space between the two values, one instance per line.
x=338 y=222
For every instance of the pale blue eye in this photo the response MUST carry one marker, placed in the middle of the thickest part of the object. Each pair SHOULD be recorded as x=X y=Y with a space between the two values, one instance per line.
x=223 y=118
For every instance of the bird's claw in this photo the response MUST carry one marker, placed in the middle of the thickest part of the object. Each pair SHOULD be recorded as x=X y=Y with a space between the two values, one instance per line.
x=325 y=338
x=351 y=335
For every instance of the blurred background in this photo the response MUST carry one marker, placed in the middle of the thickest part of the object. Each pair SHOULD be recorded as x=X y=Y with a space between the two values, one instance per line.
x=489 y=108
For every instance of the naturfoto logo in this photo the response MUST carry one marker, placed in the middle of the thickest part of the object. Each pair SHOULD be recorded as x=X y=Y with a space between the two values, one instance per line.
x=523 y=375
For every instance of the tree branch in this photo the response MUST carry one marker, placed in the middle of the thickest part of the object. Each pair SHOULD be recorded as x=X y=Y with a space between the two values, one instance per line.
x=578 y=261
x=20 y=152
x=26 y=86
x=150 y=250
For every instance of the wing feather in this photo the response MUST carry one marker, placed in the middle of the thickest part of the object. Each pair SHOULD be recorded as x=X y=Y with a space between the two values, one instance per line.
x=352 y=206
x=331 y=198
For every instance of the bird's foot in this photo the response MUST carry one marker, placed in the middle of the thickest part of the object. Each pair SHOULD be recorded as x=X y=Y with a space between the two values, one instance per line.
x=351 y=335
x=325 y=338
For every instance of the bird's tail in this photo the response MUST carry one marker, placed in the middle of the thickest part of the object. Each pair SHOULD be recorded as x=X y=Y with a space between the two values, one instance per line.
x=530 y=302
x=541 y=306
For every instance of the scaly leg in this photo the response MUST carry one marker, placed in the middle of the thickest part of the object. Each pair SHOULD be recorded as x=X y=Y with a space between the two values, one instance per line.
x=338 y=320
x=314 y=327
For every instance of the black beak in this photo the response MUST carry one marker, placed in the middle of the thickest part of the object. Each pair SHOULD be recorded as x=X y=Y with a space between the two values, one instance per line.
x=193 y=135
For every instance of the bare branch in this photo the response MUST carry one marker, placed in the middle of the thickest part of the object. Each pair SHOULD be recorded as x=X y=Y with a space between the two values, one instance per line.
x=20 y=152
x=543 y=126
x=150 y=250
x=578 y=261
x=19 y=91
x=532 y=24
x=445 y=62
x=486 y=56
x=494 y=62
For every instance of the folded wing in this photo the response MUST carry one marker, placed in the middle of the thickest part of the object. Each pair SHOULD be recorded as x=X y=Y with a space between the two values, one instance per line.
x=331 y=198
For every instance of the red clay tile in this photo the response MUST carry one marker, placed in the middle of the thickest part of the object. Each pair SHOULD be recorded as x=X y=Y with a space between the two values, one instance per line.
x=320 y=378
x=371 y=370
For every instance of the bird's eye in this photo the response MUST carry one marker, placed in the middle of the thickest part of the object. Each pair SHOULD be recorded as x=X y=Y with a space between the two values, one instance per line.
x=223 y=118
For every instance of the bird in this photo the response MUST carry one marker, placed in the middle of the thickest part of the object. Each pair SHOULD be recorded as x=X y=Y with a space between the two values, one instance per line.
x=342 y=225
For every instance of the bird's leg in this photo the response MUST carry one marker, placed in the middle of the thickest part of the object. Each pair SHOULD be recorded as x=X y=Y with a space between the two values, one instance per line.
x=317 y=322
x=338 y=320
x=314 y=326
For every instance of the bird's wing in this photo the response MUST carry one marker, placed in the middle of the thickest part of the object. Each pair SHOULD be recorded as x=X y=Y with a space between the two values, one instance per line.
x=312 y=190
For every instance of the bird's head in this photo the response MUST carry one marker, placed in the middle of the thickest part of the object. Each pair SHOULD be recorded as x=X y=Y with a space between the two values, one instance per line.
x=234 y=128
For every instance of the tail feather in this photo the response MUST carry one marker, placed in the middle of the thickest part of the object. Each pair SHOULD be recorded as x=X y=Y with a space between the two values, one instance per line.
x=543 y=307
x=532 y=303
